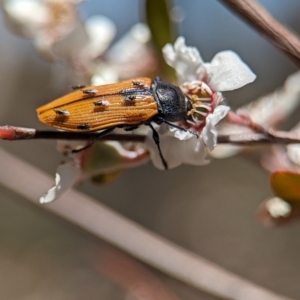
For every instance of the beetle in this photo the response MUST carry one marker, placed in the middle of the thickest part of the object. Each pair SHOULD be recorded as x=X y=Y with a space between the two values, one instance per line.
x=126 y=104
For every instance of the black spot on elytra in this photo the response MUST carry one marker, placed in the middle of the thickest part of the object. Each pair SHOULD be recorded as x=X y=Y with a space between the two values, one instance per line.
x=83 y=126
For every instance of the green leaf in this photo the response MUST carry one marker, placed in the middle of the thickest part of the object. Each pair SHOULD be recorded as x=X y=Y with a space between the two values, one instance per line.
x=286 y=185
x=159 y=22
x=162 y=29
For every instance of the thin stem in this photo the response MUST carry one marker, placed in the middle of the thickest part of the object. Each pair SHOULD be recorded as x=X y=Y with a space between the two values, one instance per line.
x=279 y=137
x=63 y=135
x=270 y=137
x=260 y=19
x=21 y=133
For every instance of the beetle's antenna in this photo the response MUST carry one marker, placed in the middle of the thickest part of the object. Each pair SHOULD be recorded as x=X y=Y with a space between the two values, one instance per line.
x=157 y=142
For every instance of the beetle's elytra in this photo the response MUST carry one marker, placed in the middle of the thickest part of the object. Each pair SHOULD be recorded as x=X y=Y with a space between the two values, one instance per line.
x=129 y=103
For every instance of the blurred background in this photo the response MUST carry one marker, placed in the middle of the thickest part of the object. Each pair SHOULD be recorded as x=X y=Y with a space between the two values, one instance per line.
x=209 y=210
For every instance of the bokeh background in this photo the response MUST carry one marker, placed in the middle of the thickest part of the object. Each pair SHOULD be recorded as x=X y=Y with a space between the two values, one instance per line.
x=209 y=210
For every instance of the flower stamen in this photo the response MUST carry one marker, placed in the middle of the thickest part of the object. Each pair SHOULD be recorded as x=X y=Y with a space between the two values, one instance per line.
x=203 y=102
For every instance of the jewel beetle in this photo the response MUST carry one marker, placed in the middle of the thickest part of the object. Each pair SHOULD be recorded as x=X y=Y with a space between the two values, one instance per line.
x=126 y=104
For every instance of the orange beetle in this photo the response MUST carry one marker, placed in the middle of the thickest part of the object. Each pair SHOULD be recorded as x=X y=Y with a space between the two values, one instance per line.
x=127 y=104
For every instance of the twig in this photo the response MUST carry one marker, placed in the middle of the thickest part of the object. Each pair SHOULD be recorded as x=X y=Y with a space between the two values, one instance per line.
x=13 y=133
x=259 y=18
x=278 y=137
x=108 y=225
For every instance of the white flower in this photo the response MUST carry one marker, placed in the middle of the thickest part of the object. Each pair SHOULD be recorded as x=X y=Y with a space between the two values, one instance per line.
x=101 y=31
x=278 y=208
x=202 y=83
x=276 y=211
x=45 y=22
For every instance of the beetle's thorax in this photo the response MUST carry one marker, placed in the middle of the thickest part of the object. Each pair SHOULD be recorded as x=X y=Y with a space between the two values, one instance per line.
x=172 y=103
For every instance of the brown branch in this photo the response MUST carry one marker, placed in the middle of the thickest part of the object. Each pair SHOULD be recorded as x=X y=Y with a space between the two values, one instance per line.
x=260 y=138
x=267 y=137
x=12 y=133
x=259 y=18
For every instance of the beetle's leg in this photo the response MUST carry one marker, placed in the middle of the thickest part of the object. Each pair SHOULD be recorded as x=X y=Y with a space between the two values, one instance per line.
x=178 y=127
x=91 y=142
x=130 y=128
x=88 y=145
x=157 y=142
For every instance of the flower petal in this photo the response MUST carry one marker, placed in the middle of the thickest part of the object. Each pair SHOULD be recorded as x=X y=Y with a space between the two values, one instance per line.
x=185 y=60
x=209 y=132
x=275 y=212
x=176 y=149
x=180 y=134
x=271 y=109
x=228 y=72
x=277 y=207
x=21 y=18
x=137 y=57
x=101 y=31
x=67 y=175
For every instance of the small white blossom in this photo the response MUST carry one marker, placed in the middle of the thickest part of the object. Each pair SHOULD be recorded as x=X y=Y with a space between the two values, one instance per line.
x=202 y=83
x=101 y=31
x=44 y=21
x=278 y=208
x=136 y=57
x=275 y=211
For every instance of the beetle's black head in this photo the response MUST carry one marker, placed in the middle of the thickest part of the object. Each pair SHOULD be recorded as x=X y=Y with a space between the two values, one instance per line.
x=173 y=104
